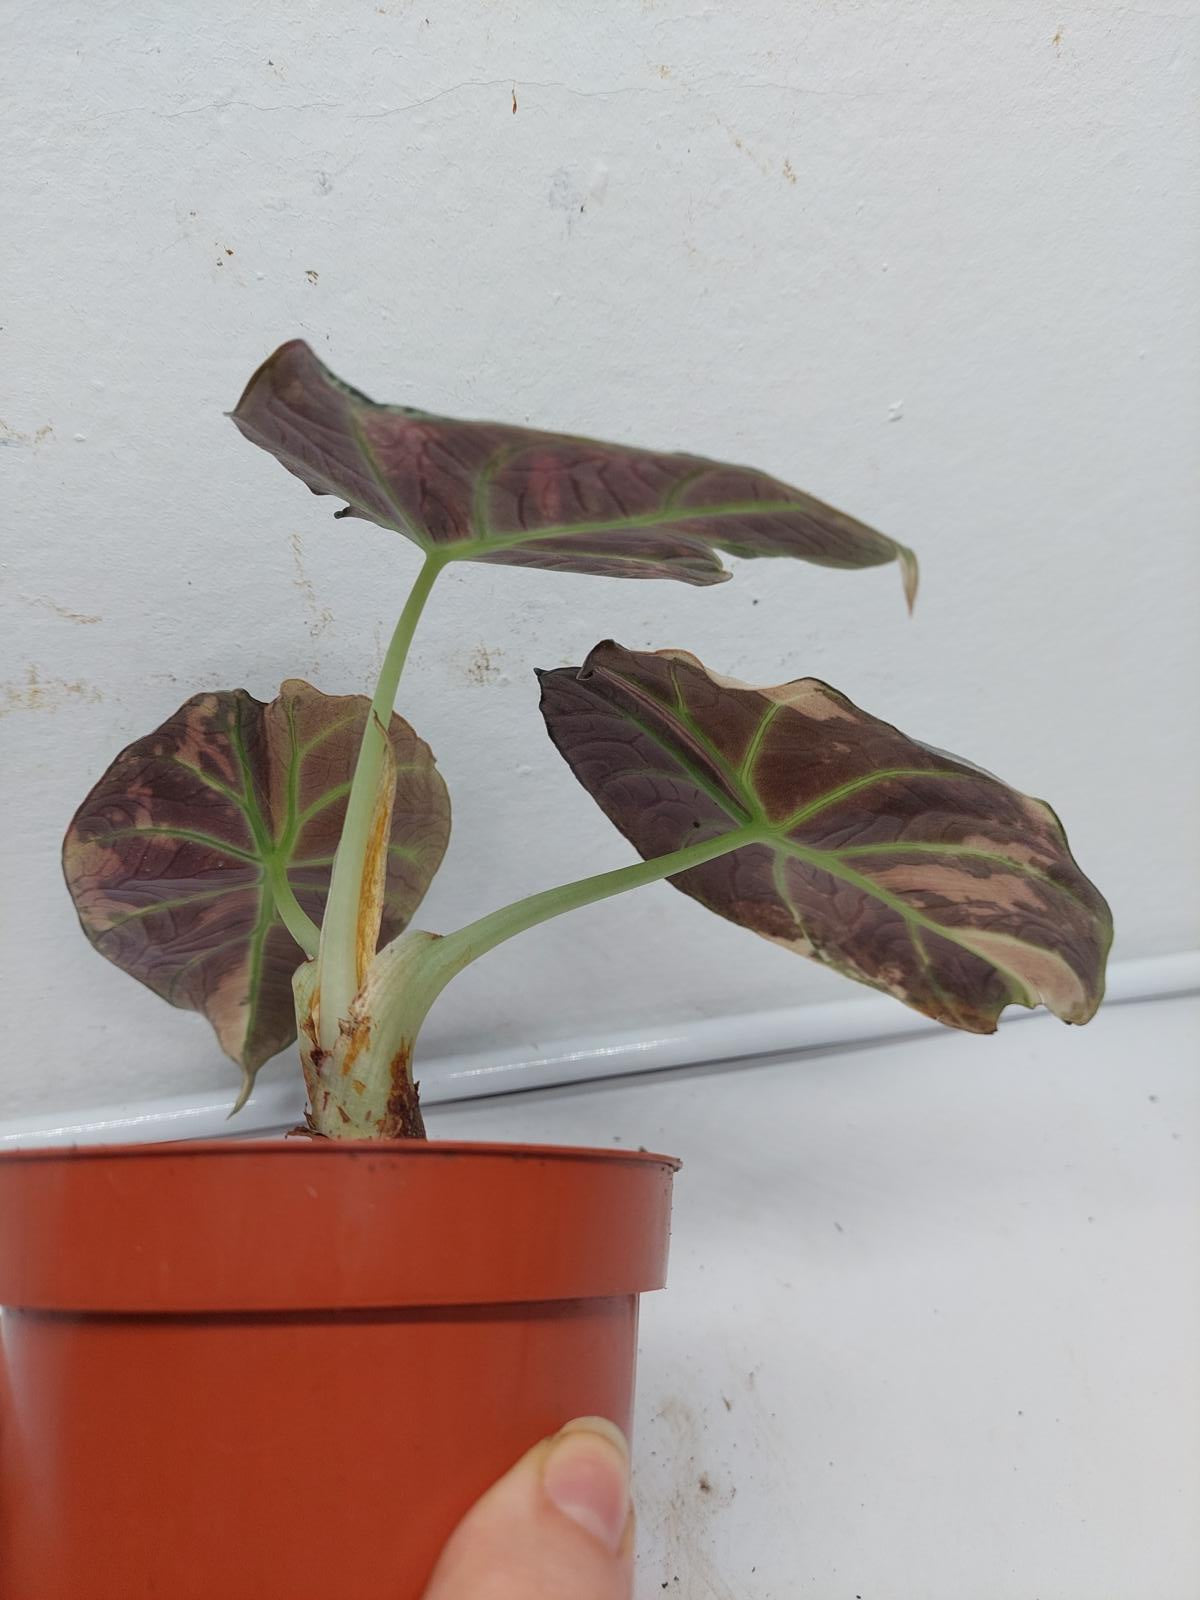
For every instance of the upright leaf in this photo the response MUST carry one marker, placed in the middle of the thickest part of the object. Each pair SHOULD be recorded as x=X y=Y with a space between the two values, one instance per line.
x=174 y=858
x=894 y=863
x=485 y=491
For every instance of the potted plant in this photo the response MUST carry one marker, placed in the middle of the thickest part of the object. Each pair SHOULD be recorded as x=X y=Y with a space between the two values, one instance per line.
x=251 y=1368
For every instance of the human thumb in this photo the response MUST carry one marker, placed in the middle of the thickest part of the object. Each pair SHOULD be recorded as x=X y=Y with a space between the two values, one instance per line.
x=559 y=1523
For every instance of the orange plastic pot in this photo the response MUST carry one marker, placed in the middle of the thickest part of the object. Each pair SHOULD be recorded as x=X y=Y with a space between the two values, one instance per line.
x=245 y=1371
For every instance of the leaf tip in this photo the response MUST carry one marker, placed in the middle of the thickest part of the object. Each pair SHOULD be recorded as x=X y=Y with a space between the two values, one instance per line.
x=243 y=1094
x=292 y=348
x=910 y=573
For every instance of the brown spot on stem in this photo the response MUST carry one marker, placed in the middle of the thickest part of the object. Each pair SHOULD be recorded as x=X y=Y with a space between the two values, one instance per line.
x=402 y=1117
x=360 y=1035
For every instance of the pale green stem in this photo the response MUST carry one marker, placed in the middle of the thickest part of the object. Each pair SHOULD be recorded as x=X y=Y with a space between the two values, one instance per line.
x=403 y=1010
x=338 y=972
x=291 y=913
x=477 y=938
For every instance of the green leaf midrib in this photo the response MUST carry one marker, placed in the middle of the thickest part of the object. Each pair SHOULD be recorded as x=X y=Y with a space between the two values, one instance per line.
x=492 y=543
x=866 y=780
x=754 y=748
x=750 y=801
x=249 y=805
x=301 y=820
x=833 y=862
x=404 y=524
x=186 y=835
x=828 y=861
x=174 y=904
x=287 y=832
x=876 y=548
x=269 y=853
x=327 y=732
x=207 y=779
x=718 y=512
x=480 y=520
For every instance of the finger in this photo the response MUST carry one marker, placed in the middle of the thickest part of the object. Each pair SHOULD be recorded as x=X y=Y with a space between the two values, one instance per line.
x=558 y=1524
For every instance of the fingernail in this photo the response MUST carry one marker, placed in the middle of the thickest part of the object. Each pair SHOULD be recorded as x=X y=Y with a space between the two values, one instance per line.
x=587 y=1477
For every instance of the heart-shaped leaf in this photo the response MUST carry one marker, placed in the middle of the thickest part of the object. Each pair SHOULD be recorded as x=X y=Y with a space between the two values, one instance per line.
x=484 y=491
x=177 y=857
x=899 y=866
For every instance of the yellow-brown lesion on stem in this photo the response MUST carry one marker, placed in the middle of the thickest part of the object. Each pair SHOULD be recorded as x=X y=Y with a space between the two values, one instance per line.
x=402 y=1117
x=354 y=1091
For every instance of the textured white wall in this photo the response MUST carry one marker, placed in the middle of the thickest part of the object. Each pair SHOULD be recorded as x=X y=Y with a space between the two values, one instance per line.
x=935 y=262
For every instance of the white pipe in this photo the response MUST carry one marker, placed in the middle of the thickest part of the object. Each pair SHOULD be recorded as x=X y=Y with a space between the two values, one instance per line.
x=274 y=1106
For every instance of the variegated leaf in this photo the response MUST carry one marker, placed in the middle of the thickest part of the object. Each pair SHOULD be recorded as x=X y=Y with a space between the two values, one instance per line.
x=170 y=857
x=891 y=862
x=485 y=491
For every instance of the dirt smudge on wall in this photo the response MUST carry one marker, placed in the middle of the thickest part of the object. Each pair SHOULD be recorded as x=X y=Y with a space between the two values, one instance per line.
x=14 y=439
x=320 y=617
x=38 y=694
x=80 y=618
x=483 y=665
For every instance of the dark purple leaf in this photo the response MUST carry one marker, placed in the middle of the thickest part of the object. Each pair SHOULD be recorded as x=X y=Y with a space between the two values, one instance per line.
x=485 y=491
x=893 y=863
x=169 y=858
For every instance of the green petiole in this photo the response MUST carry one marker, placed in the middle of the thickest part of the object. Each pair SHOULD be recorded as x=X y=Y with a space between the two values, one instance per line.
x=423 y=966
x=337 y=955
x=291 y=913
x=477 y=938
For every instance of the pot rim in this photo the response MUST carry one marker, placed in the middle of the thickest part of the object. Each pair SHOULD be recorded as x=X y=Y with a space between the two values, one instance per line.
x=285 y=1145
x=294 y=1224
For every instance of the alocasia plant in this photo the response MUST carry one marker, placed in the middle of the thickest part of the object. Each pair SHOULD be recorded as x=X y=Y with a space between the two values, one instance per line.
x=262 y=863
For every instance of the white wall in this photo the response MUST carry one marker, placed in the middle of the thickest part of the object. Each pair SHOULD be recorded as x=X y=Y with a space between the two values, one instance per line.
x=935 y=262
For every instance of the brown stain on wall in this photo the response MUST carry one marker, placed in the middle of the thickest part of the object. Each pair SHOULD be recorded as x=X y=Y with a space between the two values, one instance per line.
x=320 y=617
x=80 y=618
x=482 y=665
x=13 y=439
x=45 y=695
